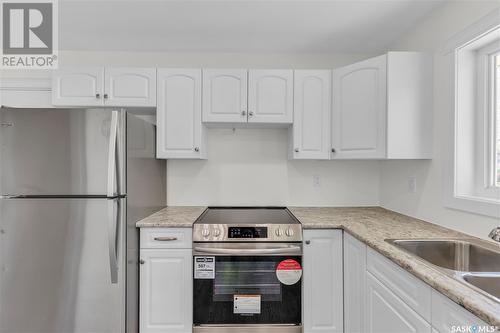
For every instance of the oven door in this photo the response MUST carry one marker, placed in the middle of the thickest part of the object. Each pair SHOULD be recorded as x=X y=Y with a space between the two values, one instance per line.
x=247 y=284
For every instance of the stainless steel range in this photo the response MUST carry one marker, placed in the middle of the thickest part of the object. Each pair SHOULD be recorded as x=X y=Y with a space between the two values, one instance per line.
x=247 y=271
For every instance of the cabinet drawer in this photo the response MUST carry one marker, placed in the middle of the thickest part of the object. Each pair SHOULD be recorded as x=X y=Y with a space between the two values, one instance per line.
x=410 y=289
x=446 y=314
x=166 y=238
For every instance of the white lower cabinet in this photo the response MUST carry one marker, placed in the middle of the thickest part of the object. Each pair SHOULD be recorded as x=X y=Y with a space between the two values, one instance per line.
x=380 y=296
x=166 y=290
x=385 y=312
x=323 y=303
x=354 y=284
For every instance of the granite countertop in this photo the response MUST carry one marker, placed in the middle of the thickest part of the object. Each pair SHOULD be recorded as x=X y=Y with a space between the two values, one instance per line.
x=371 y=225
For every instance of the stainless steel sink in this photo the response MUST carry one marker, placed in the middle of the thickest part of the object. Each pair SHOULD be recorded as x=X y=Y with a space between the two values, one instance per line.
x=471 y=261
x=490 y=283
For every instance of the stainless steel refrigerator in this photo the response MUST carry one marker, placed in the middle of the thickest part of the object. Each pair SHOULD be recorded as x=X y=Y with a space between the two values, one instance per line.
x=73 y=182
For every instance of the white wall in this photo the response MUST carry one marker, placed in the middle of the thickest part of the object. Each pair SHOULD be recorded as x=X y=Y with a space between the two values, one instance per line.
x=250 y=166
x=427 y=202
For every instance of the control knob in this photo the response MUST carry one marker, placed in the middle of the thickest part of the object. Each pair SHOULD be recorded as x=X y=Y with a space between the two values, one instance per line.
x=279 y=232
x=289 y=232
x=216 y=232
x=205 y=232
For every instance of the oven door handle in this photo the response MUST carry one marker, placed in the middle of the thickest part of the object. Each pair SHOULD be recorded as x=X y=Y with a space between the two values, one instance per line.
x=292 y=250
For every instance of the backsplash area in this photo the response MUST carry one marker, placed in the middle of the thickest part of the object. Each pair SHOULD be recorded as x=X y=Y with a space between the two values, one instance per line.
x=251 y=167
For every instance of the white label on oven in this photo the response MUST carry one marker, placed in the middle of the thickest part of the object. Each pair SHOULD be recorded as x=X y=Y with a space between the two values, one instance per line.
x=204 y=268
x=247 y=304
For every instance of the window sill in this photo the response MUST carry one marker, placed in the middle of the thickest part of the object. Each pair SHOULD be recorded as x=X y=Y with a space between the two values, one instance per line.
x=476 y=205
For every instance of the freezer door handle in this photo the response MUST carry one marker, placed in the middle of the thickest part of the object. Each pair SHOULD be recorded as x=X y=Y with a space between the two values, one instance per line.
x=113 y=226
x=112 y=154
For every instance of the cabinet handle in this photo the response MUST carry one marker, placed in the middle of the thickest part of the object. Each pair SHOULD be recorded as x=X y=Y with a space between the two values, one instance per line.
x=250 y=113
x=243 y=113
x=142 y=262
x=97 y=96
x=165 y=239
x=296 y=150
x=105 y=96
x=333 y=150
x=308 y=242
x=196 y=149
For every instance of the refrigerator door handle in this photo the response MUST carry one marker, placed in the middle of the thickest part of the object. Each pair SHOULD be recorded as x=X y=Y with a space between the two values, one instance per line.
x=113 y=226
x=112 y=154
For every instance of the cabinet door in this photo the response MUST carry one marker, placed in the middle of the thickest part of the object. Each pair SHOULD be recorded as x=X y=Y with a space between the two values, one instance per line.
x=130 y=87
x=354 y=284
x=323 y=281
x=166 y=291
x=225 y=95
x=386 y=313
x=270 y=96
x=359 y=111
x=79 y=86
x=447 y=314
x=180 y=133
x=311 y=114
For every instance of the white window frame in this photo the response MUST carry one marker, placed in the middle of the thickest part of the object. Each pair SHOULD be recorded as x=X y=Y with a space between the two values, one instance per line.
x=467 y=163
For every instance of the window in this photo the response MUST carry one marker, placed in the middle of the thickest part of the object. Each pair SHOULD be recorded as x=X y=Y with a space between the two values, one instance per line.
x=472 y=167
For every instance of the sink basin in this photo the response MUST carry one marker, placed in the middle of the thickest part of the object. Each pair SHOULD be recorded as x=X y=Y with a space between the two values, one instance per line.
x=453 y=254
x=473 y=262
x=489 y=283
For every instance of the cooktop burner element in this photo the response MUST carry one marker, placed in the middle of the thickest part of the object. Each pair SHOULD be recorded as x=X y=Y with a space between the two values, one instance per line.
x=247 y=224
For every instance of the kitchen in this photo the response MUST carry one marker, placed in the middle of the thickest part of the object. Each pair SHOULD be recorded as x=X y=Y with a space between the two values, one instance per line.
x=254 y=166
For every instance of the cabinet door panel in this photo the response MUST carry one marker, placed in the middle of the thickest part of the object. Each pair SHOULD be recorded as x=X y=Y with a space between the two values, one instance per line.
x=359 y=114
x=79 y=86
x=180 y=131
x=270 y=96
x=323 y=281
x=354 y=284
x=166 y=291
x=386 y=313
x=130 y=86
x=225 y=95
x=312 y=110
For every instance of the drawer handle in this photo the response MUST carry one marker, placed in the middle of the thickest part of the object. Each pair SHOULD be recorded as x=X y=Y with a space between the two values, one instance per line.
x=165 y=239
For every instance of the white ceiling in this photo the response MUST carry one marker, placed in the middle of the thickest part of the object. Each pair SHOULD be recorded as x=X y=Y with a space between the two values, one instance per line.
x=304 y=26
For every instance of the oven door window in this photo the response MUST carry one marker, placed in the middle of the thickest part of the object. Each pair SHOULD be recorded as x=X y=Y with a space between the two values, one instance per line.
x=253 y=280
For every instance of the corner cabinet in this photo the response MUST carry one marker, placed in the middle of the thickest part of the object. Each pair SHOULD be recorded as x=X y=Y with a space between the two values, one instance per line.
x=323 y=290
x=99 y=86
x=310 y=137
x=382 y=108
x=165 y=281
x=180 y=132
x=354 y=284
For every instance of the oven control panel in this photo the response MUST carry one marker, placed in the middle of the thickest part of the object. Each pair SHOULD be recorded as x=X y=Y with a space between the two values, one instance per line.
x=246 y=233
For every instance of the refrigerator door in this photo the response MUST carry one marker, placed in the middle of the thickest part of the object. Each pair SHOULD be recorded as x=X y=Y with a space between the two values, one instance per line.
x=55 y=265
x=60 y=151
x=146 y=194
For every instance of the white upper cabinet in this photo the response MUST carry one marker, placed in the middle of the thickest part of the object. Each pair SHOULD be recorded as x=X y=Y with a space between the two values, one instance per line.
x=180 y=133
x=78 y=86
x=225 y=95
x=98 y=86
x=382 y=108
x=270 y=96
x=358 y=128
x=311 y=114
x=130 y=87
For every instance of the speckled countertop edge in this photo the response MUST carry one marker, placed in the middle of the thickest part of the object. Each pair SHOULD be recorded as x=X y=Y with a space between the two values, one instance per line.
x=370 y=225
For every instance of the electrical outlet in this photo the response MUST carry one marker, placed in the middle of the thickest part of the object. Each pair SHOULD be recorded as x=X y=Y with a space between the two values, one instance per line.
x=316 y=181
x=412 y=184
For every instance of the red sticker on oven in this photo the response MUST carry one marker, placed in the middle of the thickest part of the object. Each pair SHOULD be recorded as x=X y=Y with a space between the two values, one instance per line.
x=289 y=272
